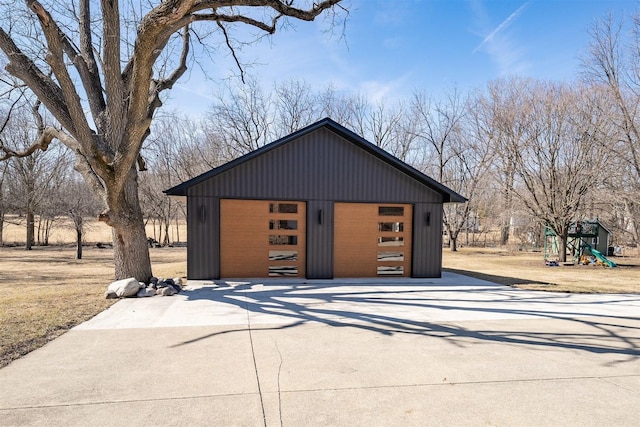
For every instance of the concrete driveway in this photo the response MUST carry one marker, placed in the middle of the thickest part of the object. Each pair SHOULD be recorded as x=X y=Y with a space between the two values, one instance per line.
x=451 y=351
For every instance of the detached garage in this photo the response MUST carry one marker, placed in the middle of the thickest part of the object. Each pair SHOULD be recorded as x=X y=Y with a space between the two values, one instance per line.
x=319 y=203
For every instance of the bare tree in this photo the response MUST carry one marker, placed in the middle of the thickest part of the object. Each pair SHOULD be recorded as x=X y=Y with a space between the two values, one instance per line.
x=557 y=154
x=613 y=62
x=241 y=117
x=338 y=106
x=33 y=179
x=385 y=125
x=446 y=154
x=79 y=204
x=120 y=60
x=296 y=106
x=3 y=205
x=503 y=103
x=179 y=149
x=165 y=152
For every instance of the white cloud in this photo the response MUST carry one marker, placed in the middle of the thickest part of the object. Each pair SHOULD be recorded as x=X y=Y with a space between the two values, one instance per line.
x=376 y=91
x=500 y=46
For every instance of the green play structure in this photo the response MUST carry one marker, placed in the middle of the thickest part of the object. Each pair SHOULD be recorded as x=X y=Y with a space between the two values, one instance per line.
x=587 y=242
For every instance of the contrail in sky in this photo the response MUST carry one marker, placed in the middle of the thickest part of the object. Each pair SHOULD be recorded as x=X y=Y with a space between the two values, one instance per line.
x=504 y=24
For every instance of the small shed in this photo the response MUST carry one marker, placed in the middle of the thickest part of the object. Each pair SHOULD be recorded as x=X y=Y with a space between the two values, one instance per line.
x=320 y=203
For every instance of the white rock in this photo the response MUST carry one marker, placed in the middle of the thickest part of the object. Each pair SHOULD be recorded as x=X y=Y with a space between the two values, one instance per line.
x=125 y=287
x=166 y=292
x=178 y=281
x=146 y=292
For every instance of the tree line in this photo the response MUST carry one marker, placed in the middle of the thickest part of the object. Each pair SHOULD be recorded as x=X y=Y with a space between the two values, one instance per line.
x=525 y=152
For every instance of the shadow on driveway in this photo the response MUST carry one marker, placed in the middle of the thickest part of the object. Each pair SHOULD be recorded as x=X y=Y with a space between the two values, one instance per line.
x=479 y=310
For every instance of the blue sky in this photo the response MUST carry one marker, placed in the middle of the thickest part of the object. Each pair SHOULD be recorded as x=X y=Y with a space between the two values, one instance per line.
x=394 y=47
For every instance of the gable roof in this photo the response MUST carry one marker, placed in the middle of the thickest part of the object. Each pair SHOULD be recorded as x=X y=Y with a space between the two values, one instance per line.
x=449 y=196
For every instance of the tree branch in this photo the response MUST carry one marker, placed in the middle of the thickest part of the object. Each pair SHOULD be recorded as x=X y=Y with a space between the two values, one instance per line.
x=161 y=85
x=45 y=138
x=232 y=50
x=268 y=28
x=80 y=130
x=118 y=93
x=87 y=66
x=42 y=86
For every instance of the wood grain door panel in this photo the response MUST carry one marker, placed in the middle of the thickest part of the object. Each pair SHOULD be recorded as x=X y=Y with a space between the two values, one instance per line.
x=245 y=239
x=356 y=234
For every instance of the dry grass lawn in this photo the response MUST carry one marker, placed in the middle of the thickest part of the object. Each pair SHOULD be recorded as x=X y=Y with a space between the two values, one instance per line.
x=46 y=291
x=527 y=270
x=95 y=231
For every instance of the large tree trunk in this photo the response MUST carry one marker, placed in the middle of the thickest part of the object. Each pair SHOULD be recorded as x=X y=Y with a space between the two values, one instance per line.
x=131 y=251
x=562 y=248
x=130 y=246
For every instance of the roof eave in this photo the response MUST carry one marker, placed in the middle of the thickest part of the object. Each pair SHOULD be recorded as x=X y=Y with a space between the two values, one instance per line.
x=181 y=189
x=449 y=196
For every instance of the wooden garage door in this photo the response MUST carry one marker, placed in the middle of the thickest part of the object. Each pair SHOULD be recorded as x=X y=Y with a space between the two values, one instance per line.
x=372 y=240
x=261 y=238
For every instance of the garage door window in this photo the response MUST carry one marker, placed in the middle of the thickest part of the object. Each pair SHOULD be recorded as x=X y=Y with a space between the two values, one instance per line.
x=283 y=270
x=390 y=241
x=283 y=208
x=283 y=224
x=286 y=239
x=386 y=270
x=283 y=255
x=391 y=211
x=390 y=256
x=391 y=226
x=283 y=240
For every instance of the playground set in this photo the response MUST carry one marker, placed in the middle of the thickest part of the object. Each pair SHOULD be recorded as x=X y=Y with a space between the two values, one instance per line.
x=587 y=242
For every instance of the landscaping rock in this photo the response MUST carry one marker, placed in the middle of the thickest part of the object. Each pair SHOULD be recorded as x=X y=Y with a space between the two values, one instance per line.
x=153 y=280
x=166 y=291
x=125 y=288
x=146 y=292
x=178 y=281
x=110 y=295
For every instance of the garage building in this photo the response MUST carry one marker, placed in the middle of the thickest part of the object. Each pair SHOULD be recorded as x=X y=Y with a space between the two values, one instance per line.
x=320 y=203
